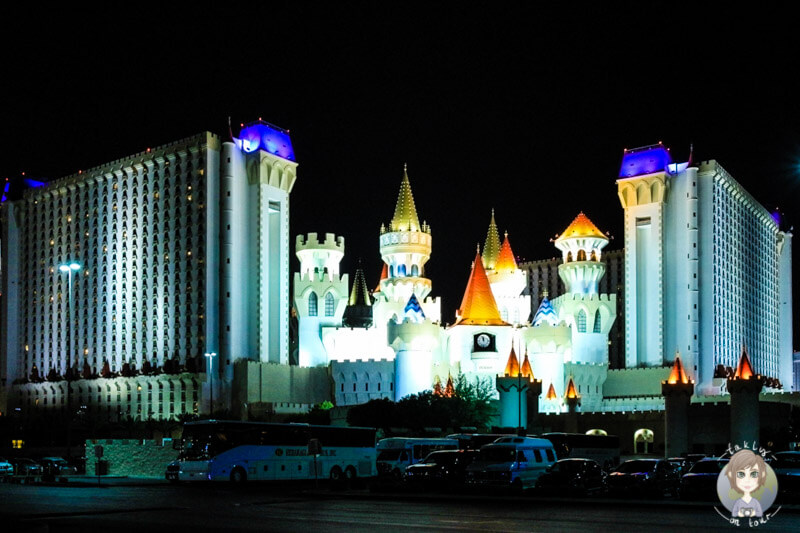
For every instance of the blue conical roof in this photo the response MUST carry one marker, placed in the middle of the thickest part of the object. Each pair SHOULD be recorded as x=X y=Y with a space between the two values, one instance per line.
x=545 y=313
x=413 y=311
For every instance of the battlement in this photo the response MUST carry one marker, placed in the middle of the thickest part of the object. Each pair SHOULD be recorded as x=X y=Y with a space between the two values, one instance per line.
x=312 y=242
x=588 y=297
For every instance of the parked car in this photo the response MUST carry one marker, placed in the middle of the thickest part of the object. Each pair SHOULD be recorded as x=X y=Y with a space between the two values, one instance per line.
x=445 y=468
x=6 y=468
x=573 y=476
x=681 y=463
x=700 y=482
x=57 y=466
x=692 y=458
x=511 y=462
x=652 y=477
x=26 y=467
x=787 y=468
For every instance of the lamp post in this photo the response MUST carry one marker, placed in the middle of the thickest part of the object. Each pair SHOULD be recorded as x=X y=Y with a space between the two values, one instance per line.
x=69 y=268
x=211 y=357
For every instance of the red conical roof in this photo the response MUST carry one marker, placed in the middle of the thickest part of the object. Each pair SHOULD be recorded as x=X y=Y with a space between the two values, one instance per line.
x=551 y=393
x=744 y=370
x=384 y=275
x=505 y=259
x=571 y=392
x=677 y=375
x=527 y=372
x=512 y=366
x=478 y=308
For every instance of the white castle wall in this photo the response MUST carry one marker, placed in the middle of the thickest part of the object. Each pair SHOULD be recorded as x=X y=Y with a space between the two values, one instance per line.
x=359 y=381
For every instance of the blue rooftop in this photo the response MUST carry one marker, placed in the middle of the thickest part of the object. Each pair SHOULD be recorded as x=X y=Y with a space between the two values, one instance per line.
x=263 y=135
x=545 y=313
x=646 y=160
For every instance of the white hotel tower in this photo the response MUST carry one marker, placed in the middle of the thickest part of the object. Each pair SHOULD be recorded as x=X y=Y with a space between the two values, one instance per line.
x=182 y=250
x=707 y=270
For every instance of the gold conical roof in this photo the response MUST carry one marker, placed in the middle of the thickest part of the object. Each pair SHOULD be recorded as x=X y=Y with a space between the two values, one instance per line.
x=492 y=247
x=359 y=295
x=478 y=307
x=512 y=366
x=527 y=371
x=405 y=213
x=677 y=375
x=744 y=370
x=581 y=227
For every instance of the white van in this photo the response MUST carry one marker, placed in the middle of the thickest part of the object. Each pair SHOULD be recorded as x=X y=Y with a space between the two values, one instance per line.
x=396 y=453
x=514 y=462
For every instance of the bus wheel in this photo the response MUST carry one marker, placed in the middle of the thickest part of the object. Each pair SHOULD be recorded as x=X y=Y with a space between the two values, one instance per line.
x=336 y=474
x=351 y=476
x=238 y=476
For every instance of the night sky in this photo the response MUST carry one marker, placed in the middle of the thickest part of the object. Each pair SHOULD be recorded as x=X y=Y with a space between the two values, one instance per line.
x=521 y=108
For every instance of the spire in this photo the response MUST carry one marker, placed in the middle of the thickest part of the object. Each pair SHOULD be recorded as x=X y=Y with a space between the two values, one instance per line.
x=413 y=311
x=571 y=391
x=405 y=213
x=505 y=259
x=384 y=275
x=449 y=389
x=581 y=227
x=677 y=375
x=437 y=387
x=744 y=370
x=545 y=313
x=551 y=393
x=492 y=247
x=359 y=295
x=478 y=306
x=512 y=366
x=526 y=371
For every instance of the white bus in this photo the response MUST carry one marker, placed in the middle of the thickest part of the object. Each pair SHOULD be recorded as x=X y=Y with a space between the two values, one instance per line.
x=396 y=453
x=219 y=450
x=602 y=449
x=513 y=462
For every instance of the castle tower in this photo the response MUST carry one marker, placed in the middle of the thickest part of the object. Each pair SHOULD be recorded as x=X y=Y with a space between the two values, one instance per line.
x=677 y=391
x=513 y=388
x=744 y=388
x=479 y=334
x=549 y=342
x=405 y=248
x=358 y=313
x=320 y=293
x=257 y=173
x=573 y=400
x=642 y=187
x=590 y=314
x=505 y=278
x=414 y=339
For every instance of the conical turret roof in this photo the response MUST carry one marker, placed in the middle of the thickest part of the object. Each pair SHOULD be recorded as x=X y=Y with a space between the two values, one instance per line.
x=581 y=227
x=744 y=370
x=478 y=306
x=491 y=249
x=545 y=313
x=571 y=391
x=505 y=259
x=384 y=275
x=405 y=212
x=512 y=366
x=527 y=371
x=551 y=393
x=359 y=295
x=677 y=375
x=413 y=310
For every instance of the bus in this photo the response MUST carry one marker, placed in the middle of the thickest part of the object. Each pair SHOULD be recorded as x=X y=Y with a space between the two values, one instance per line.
x=220 y=450
x=603 y=449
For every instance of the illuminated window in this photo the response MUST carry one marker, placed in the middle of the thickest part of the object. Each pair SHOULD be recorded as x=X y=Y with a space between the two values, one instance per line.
x=329 y=304
x=580 y=321
x=312 y=304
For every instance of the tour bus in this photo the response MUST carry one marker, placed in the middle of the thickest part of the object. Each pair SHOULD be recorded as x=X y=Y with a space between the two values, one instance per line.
x=474 y=441
x=396 y=453
x=514 y=462
x=219 y=450
x=602 y=449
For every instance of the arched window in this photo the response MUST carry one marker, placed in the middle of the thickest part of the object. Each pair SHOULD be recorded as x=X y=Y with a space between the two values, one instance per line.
x=597 y=324
x=569 y=257
x=329 y=304
x=312 y=304
x=414 y=271
x=593 y=256
x=580 y=321
x=401 y=271
x=581 y=255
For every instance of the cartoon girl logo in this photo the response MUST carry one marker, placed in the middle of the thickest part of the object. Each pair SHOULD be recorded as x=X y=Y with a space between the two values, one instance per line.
x=747 y=486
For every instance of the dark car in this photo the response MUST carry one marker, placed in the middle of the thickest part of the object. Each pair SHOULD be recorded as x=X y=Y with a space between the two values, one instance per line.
x=692 y=458
x=26 y=467
x=787 y=468
x=56 y=466
x=444 y=468
x=700 y=482
x=681 y=464
x=573 y=476
x=652 y=477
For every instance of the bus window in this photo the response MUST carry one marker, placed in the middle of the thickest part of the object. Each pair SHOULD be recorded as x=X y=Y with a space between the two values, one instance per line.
x=404 y=456
x=538 y=455
x=550 y=457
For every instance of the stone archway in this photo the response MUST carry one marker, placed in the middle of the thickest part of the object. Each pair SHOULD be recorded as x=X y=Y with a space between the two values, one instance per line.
x=644 y=437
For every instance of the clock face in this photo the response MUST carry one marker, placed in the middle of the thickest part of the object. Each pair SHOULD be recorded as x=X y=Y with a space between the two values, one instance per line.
x=484 y=340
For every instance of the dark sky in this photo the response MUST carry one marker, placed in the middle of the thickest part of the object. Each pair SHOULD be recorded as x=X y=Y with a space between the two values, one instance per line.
x=521 y=108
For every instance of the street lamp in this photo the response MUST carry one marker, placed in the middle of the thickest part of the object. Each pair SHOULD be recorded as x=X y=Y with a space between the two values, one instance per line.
x=211 y=357
x=69 y=268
